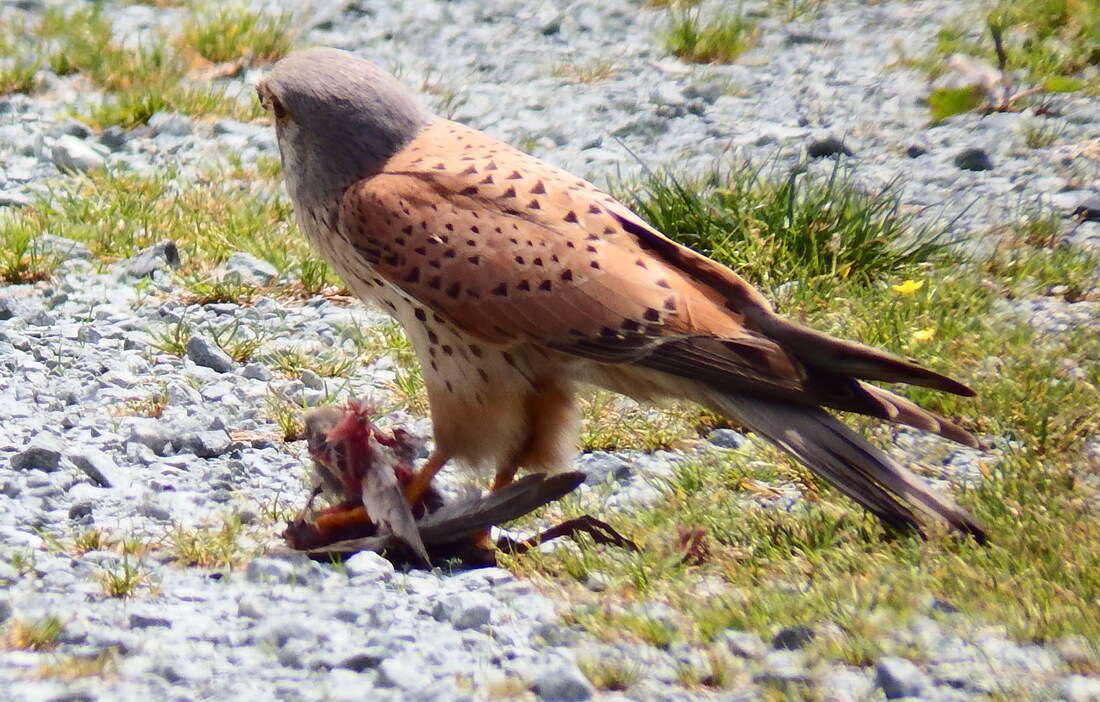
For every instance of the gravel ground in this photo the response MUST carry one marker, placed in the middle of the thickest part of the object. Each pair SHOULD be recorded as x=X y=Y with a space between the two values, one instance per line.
x=288 y=628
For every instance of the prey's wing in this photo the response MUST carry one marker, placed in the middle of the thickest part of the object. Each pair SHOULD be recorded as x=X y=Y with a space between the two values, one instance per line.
x=386 y=504
x=466 y=517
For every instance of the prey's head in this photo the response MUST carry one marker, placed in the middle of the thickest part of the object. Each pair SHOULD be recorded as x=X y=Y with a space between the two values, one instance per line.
x=337 y=119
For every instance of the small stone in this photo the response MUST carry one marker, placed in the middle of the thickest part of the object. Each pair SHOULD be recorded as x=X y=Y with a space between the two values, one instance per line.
x=742 y=644
x=114 y=138
x=279 y=632
x=145 y=621
x=974 y=160
x=563 y=682
x=827 y=146
x=1089 y=209
x=99 y=468
x=363 y=659
x=1075 y=688
x=169 y=124
x=151 y=434
x=899 y=678
x=726 y=438
x=250 y=269
x=205 y=444
x=11 y=198
x=295 y=571
x=793 y=638
x=471 y=610
x=403 y=674
x=311 y=380
x=60 y=248
x=72 y=154
x=81 y=510
x=783 y=667
x=257 y=371
x=368 y=566
x=915 y=151
x=204 y=352
x=44 y=458
x=13 y=306
x=252 y=607
x=599 y=466
x=152 y=258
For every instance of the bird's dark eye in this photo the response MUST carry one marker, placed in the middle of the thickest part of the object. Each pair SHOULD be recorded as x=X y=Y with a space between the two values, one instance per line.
x=270 y=102
x=277 y=108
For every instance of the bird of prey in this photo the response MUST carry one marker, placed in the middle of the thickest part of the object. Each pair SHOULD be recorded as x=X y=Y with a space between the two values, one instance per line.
x=518 y=283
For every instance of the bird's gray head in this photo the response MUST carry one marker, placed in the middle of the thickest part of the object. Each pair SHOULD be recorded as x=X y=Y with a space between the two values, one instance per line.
x=337 y=118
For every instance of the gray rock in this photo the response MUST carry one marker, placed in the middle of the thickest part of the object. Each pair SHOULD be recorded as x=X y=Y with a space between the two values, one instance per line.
x=367 y=658
x=13 y=305
x=599 y=466
x=40 y=456
x=368 y=566
x=899 y=678
x=139 y=620
x=81 y=511
x=257 y=371
x=726 y=438
x=278 y=632
x=60 y=248
x=250 y=269
x=468 y=610
x=562 y=681
x=742 y=644
x=100 y=468
x=916 y=150
x=169 y=124
x=12 y=198
x=252 y=607
x=793 y=638
x=163 y=254
x=783 y=667
x=204 y=352
x=824 y=147
x=1089 y=209
x=311 y=380
x=973 y=160
x=72 y=154
x=151 y=434
x=299 y=571
x=114 y=138
x=205 y=444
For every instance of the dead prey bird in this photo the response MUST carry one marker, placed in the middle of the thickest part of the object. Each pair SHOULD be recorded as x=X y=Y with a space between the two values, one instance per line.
x=363 y=470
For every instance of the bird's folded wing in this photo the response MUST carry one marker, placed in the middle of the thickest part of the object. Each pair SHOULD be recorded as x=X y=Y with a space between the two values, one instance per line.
x=508 y=248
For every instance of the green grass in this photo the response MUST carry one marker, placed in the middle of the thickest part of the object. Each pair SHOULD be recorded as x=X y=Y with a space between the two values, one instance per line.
x=227 y=33
x=776 y=229
x=718 y=39
x=32 y=634
x=1041 y=47
x=148 y=74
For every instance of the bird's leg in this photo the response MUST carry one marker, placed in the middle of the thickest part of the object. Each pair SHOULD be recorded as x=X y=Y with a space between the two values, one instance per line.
x=504 y=476
x=419 y=483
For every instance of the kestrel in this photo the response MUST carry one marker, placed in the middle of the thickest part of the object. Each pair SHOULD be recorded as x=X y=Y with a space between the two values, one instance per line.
x=518 y=283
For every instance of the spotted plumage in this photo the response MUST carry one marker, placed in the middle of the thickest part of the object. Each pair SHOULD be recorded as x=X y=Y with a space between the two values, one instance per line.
x=518 y=282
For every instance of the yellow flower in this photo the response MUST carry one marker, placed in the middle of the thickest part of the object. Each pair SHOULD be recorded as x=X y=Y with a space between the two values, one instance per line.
x=923 y=335
x=908 y=287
